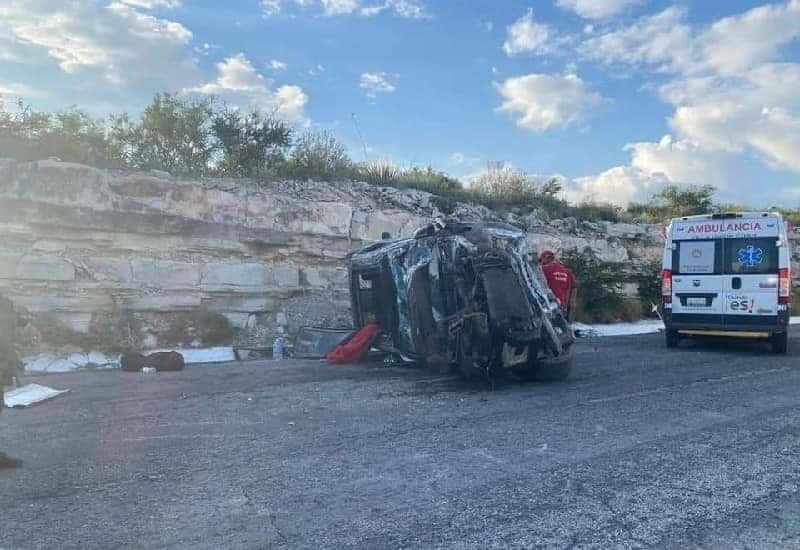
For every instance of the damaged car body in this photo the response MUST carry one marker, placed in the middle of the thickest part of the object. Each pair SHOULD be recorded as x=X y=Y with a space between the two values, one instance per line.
x=464 y=295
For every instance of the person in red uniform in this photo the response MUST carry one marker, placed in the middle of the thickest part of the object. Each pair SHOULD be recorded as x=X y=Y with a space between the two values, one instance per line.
x=561 y=281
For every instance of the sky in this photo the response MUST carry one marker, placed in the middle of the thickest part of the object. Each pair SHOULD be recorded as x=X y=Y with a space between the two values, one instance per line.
x=618 y=97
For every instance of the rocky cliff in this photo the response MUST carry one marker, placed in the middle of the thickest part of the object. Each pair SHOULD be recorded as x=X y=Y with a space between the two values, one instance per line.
x=109 y=259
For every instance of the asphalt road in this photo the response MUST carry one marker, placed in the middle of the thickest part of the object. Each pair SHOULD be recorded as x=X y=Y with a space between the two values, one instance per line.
x=642 y=447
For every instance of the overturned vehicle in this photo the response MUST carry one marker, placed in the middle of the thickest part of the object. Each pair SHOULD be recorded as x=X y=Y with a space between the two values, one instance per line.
x=463 y=295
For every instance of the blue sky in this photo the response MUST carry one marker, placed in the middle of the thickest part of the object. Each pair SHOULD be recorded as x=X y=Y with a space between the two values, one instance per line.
x=620 y=97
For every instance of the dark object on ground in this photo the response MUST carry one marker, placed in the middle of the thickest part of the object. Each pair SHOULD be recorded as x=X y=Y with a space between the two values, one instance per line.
x=355 y=348
x=132 y=362
x=463 y=295
x=166 y=361
x=162 y=361
x=314 y=342
x=9 y=462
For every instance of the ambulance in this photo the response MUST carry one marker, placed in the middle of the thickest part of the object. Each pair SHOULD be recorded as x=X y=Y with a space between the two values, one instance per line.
x=727 y=275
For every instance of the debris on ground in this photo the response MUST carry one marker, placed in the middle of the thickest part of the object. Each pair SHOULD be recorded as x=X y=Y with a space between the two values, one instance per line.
x=161 y=361
x=354 y=349
x=316 y=342
x=30 y=394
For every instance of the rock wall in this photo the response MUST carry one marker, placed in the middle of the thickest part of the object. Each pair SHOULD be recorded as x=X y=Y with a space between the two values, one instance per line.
x=119 y=259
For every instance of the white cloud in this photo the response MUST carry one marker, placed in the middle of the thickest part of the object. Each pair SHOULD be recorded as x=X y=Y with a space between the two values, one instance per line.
x=407 y=9
x=238 y=82
x=376 y=83
x=652 y=166
x=234 y=74
x=464 y=160
x=118 y=42
x=15 y=90
x=277 y=65
x=596 y=9
x=738 y=43
x=663 y=40
x=151 y=4
x=545 y=101
x=732 y=97
x=527 y=36
x=618 y=185
x=339 y=7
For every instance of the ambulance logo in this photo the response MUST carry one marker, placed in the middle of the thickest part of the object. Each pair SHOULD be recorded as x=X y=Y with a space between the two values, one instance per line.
x=750 y=256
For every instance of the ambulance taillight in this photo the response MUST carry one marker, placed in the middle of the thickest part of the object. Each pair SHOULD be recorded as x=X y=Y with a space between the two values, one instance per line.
x=666 y=286
x=784 y=286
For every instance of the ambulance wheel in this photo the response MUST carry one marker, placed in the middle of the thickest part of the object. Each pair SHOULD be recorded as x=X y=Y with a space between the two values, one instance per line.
x=780 y=343
x=672 y=338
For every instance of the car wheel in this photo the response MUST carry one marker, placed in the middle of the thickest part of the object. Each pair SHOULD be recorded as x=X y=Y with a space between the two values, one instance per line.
x=672 y=338
x=780 y=343
x=555 y=369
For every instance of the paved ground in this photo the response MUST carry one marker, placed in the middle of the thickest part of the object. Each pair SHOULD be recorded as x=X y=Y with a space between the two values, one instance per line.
x=642 y=447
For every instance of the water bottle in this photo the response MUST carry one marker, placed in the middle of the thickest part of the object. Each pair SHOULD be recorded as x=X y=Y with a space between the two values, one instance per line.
x=277 y=347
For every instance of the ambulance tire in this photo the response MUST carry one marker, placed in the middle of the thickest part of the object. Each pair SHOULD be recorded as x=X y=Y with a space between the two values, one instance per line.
x=672 y=338
x=780 y=343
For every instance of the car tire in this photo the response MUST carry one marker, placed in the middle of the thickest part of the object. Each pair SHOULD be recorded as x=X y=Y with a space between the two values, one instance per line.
x=555 y=369
x=780 y=343
x=672 y=338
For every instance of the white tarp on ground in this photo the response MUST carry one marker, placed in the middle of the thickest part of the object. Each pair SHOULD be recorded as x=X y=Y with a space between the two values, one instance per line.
x=619 y=329
x=630 y=329
x=30 y=394
x=52 y=362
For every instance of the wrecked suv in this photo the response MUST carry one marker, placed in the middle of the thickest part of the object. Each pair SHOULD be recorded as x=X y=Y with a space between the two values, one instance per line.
x=463 y=295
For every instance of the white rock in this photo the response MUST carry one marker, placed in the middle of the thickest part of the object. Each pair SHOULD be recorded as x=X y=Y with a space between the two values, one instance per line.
x=45 y=268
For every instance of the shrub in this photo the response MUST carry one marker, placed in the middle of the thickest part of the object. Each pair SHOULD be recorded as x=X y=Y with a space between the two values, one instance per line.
x=648 y=282
x=381 y=173
x=71 y=136
x=503 y=187
x=172 y=134
x=674 y=201
x=249 y=145
x=319 y=156
x=600 y=296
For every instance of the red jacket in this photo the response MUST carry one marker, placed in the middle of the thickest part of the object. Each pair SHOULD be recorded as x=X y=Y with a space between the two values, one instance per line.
x=561 y=281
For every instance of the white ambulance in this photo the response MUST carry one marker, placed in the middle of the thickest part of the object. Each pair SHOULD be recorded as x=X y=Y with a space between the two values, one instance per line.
x=727 y=275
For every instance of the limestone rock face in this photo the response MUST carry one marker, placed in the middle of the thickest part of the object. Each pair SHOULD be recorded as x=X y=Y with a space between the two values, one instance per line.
x=124 y=259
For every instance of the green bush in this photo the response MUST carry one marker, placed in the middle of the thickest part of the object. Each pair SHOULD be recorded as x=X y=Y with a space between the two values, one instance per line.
x=674 y=201
x=251 y=145
x=600 y=296
x=648 y=282
x=172 y=134
x=319 y=156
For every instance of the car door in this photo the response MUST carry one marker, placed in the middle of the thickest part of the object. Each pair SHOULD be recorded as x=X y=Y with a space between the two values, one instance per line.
x=697 y=282
x=751 y=281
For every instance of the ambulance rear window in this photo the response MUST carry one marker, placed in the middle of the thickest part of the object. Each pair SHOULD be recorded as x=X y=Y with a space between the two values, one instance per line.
x=697 y=258
x=751 y=256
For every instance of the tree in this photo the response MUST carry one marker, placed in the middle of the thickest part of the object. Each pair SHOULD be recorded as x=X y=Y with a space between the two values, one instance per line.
x=687 y=201
x=674 y=201
x=318 y=155
x=172 y=134
x=249 y=145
